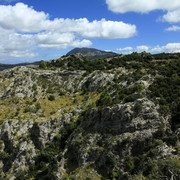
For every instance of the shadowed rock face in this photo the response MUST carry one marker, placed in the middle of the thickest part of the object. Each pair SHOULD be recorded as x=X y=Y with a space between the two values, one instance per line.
x=35 y=135
x=122 y=119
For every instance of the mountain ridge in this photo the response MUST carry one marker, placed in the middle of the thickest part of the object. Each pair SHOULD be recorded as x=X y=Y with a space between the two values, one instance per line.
x=9 y=66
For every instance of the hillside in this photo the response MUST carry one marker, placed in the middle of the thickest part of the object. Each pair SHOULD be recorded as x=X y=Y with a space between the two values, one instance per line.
x=77 y=118
x=91 y=53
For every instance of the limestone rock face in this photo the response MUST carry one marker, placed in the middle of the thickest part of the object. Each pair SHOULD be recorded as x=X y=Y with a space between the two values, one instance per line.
x=123 y=118
x=99 y=80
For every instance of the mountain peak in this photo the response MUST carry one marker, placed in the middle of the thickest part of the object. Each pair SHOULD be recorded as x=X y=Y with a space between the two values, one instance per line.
x=91 y=53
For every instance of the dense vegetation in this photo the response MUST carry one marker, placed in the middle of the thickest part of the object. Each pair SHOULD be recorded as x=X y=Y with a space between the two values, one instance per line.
x=134 y=60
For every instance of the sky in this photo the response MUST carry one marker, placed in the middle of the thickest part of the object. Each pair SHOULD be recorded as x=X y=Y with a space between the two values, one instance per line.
x=33 y=30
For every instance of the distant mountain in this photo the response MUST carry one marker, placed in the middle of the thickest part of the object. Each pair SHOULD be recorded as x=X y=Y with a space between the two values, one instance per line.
x=8 y=66
x=91 y=53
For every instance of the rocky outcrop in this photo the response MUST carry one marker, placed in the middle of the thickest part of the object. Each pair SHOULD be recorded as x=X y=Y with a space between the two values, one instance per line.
x=115 y=132
x=123 y=118
x=21 y=141
x=26 y=82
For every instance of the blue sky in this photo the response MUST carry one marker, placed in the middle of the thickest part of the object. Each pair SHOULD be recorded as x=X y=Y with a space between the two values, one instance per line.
x=32 y=30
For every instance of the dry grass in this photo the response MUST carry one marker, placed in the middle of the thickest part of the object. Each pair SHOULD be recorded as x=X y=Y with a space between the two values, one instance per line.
x=14 y=108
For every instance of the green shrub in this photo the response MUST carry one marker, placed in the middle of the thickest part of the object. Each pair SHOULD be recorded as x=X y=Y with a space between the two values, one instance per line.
x=38 y=106
x=171 y=140
x=34 y=87
x=132 y=98
x=160 y=132
x=138 y=108
x=139 y=87
x=111 y=160
x=4 y=155
x=61 y=93
x=42 y=65
x=27 y=109
x=150 y=167
x=105 y=99
x=20 y=175
x=1 y=144
x=1 y=122
x=51 y=98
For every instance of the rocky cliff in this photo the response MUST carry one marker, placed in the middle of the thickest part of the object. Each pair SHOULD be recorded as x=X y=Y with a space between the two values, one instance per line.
x=59 y=123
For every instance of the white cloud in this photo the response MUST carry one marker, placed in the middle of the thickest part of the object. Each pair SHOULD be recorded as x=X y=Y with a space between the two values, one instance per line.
x=83 y=43
x=16 y=45
x=8 y=1
x=56 y=40
x=125 y=49
x=172 y=16
x=142 y=48
x=142 y=6
x=24 y=53
x=170 y=48
x=25 y=19
x=173 y=28
x=110 y=51
x=145 y=6
x=128 y=50
x=22 y=18
x=101 y=29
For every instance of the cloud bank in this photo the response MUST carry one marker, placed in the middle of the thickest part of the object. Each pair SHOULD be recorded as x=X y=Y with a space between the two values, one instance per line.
x=145 y=6
x=23 y=29
x=168 y=48
x=25 y=19
x=142 y=6
x=8 y=1
x=172 y=16
x=173 y=28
